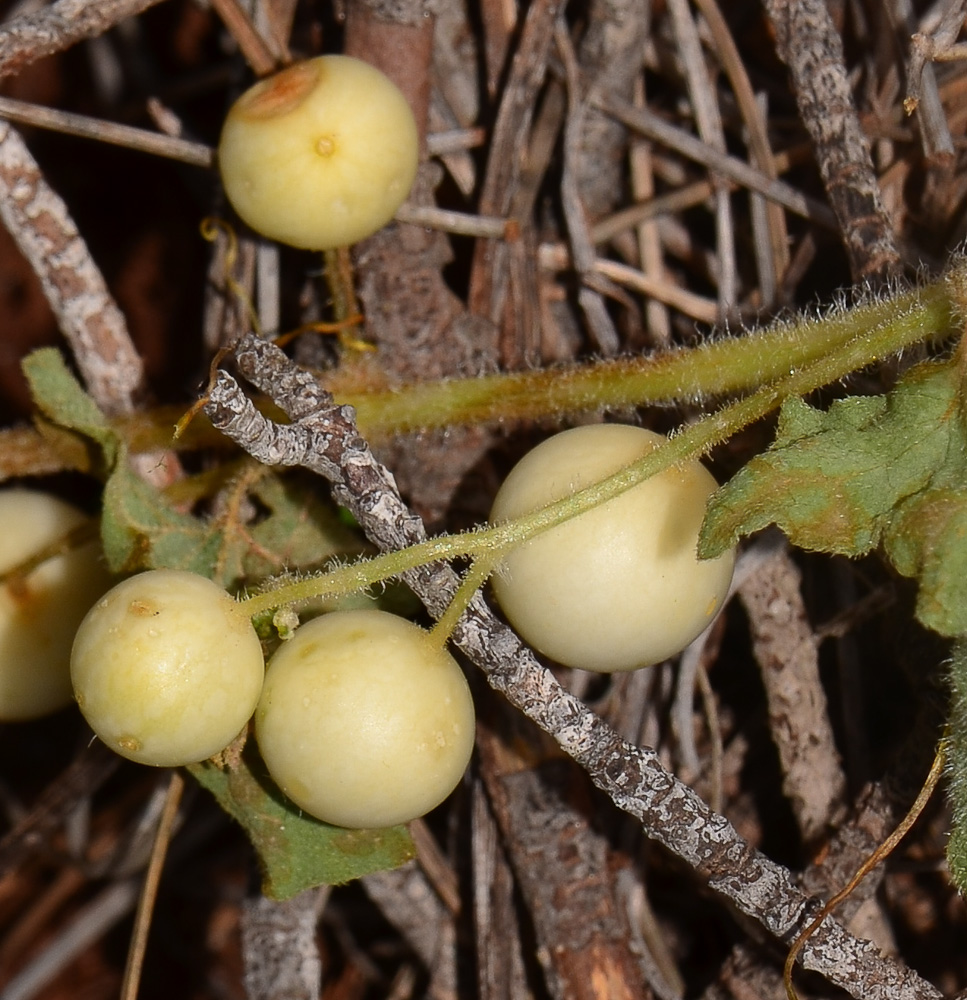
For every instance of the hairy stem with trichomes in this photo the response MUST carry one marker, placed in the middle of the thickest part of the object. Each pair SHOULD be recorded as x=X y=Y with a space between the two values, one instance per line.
x=876 y=331
x=718 y=367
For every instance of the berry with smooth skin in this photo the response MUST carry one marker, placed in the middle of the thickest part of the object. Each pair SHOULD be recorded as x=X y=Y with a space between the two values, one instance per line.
x=39 y=613
x=167 y=668
x=321 y=155
x=620 y=586
x=363 y=721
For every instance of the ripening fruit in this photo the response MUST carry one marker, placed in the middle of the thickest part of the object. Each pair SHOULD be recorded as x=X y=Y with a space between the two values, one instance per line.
x=620 y=586
x=363 y=721
x=320 y=155
x=40 y=613
x=167 y=668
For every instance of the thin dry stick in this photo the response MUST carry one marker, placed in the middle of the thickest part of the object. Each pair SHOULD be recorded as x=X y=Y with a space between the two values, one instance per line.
x=257 y=53
x=704 y=310
x=650 y=251
x=758 y=133
x=883 y=851
x=653 y=127
x=198 y=154
x=195 y=154
x=454 y=140
x=602 y=330
x=323 y=438
x=716 y=754
x=459 y=223
x=807 y=42
x=435 y=865
x=938 y=146
x=149 y=892
x=679 y=200
x=410 y=903
x=934 y=46
x=94 y=326
x=709 y=122
x=57 y=27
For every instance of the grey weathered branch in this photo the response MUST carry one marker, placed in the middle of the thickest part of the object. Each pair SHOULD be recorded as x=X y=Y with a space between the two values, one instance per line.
x=94 y=326
x=323 y=437
x=807 y=42
x=26 y=39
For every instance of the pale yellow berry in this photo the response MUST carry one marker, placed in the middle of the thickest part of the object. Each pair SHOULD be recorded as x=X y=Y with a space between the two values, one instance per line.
x=363 y=721
x=39 y=613
x=620 y=586
x=320 y=155
x=167 y=668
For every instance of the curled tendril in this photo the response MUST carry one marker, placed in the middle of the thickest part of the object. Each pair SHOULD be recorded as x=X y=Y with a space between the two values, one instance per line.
x=883 y=851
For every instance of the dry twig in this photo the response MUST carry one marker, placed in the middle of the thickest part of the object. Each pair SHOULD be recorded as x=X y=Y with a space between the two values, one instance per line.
x=59 y=26
x=810 y=46
x=94 y=326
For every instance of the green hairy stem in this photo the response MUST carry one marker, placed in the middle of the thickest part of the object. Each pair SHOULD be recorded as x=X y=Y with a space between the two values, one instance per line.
x=848 y=341
x=957 y=765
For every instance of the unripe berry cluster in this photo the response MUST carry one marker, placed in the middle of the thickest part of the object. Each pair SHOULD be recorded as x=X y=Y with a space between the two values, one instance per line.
x=361 y=720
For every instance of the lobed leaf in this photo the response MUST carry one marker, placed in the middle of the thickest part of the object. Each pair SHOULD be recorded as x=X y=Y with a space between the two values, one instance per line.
x=869 y=471
x=927 y=538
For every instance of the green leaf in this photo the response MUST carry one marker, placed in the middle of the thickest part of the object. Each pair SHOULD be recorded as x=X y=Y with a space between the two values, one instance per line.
x=296 y=851
x=927 y=538
x=302 y=530
x=60 y=397
x=957 y=766
x=831 y=480
x=140 y=530
x=872 y=471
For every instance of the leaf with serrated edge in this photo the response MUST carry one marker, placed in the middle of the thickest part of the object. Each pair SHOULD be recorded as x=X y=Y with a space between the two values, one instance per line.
x=884 y=470
x=832 y=480
x=295 y=851
x=927 y=538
